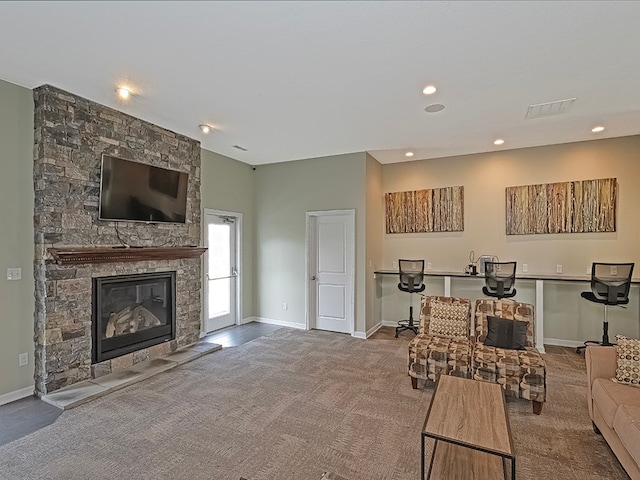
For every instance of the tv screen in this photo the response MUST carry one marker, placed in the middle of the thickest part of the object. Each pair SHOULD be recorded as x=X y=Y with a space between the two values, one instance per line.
x=138 y=192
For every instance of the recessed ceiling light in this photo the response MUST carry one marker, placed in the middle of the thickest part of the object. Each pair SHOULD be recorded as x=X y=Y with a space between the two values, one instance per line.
x=436 y=107
x=408 y=154
x=429 y=90
x=498 y=141
x=597 y=129
x=205 y=128
x=123 y=92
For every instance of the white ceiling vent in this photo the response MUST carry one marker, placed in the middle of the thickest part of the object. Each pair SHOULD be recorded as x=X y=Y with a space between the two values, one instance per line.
x=550 y=108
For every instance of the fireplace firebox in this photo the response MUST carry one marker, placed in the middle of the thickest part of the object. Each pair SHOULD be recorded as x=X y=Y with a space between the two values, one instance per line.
x=131 y=312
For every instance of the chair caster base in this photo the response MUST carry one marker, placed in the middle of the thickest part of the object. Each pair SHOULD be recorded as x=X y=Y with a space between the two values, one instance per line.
x=581 y=348
x=406 y=325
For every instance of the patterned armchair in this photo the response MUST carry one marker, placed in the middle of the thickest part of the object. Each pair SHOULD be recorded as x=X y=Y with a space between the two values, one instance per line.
x=522 y=373
x=443 y=345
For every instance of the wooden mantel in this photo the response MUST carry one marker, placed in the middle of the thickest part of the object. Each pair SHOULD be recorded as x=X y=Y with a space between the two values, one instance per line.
x=76 y=256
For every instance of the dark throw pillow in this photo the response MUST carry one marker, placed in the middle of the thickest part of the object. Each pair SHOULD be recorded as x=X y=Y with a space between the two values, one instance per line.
x=506 y=333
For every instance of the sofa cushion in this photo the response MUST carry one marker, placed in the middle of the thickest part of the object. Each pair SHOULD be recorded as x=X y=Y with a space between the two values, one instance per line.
x=628 y=368
x=506 y=333
x=608 y=395
x=425 y=309
x=520 y=372
x=504 y=308
x=432 y=356
x=449 y=319
x=626 y=423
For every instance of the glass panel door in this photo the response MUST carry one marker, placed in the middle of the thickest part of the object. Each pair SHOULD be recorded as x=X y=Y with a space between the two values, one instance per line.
x=221 y=271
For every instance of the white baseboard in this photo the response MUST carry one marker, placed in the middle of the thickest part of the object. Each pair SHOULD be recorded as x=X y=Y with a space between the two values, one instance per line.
x=361 y=335
x=374 y=329
x=562 y=343
x=16 y=395
x=282 y=323
x=392 y=323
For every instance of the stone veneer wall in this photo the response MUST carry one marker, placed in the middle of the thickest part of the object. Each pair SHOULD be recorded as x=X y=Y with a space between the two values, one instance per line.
x=71 y=134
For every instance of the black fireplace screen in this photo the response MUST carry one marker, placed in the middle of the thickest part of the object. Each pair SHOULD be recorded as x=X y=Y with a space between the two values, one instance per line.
x=131 y=312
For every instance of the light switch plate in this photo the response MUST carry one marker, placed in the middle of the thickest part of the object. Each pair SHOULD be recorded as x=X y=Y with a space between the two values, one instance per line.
x=14 y=274
x=558 y=268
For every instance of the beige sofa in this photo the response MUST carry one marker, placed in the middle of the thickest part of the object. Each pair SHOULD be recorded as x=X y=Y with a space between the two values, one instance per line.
x=614 y=408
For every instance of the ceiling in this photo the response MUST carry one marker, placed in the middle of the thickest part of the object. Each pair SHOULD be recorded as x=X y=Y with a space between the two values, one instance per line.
x=292 y=80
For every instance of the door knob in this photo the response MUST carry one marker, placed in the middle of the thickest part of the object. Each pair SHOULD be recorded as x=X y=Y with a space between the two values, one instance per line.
x=313 y=277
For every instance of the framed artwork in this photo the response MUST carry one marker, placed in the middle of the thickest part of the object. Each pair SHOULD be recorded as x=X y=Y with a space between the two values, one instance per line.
x=430 y=210
x=567 y=207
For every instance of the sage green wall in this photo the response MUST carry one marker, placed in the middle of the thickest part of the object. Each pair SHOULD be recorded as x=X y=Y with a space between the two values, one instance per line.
x=484 y=177
x=375 y=225
x=228 y=185
x=16 y=239
x=284 y=193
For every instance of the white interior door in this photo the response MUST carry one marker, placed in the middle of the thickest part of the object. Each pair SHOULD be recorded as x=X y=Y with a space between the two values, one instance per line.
x=331 y=271
x=222 y=272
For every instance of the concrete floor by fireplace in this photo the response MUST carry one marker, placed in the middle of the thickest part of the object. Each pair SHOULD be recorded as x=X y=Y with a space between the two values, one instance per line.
x=82 y=392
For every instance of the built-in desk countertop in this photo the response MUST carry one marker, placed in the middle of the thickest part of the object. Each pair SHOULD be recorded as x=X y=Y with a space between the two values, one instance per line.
x=558 y=277
x=539 y=290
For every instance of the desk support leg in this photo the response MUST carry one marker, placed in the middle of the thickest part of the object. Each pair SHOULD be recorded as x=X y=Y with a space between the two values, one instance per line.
x=539 y=315
x=447 y=286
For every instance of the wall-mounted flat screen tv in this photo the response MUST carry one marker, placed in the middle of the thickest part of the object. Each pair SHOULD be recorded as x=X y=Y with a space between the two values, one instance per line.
x=133 y=191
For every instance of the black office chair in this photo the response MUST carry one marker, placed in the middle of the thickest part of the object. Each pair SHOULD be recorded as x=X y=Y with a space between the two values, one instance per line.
x=412 y=281
x=499 y=279
x=610 y=284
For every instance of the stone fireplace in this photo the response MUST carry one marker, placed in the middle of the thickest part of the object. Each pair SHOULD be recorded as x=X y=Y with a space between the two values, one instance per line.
x=131 y=312
x=71 y=134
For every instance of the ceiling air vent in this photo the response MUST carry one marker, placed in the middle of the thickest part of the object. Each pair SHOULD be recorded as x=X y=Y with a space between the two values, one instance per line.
x=550 y=108
x=241 y=148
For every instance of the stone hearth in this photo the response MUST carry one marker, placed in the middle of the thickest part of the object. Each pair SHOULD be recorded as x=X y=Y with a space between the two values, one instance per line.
x=71 y=134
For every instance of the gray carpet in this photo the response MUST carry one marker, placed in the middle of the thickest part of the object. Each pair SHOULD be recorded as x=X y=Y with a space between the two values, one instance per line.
x=292 y=405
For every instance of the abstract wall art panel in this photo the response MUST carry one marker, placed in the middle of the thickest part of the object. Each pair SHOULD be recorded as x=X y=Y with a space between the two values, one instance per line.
x=566 y=207
x=430 y=210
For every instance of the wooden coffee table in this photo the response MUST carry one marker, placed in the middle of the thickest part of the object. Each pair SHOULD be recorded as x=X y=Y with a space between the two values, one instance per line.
x=468 y=420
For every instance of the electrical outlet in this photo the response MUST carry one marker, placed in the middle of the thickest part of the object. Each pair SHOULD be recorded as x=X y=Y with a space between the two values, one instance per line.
x=525 y=268
x=588 y=269
x=428 y=265
x=558 y=268
x=394 y=264
x=285 y=306
x=23 y=359
x=14 y=274
x=614 y=270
